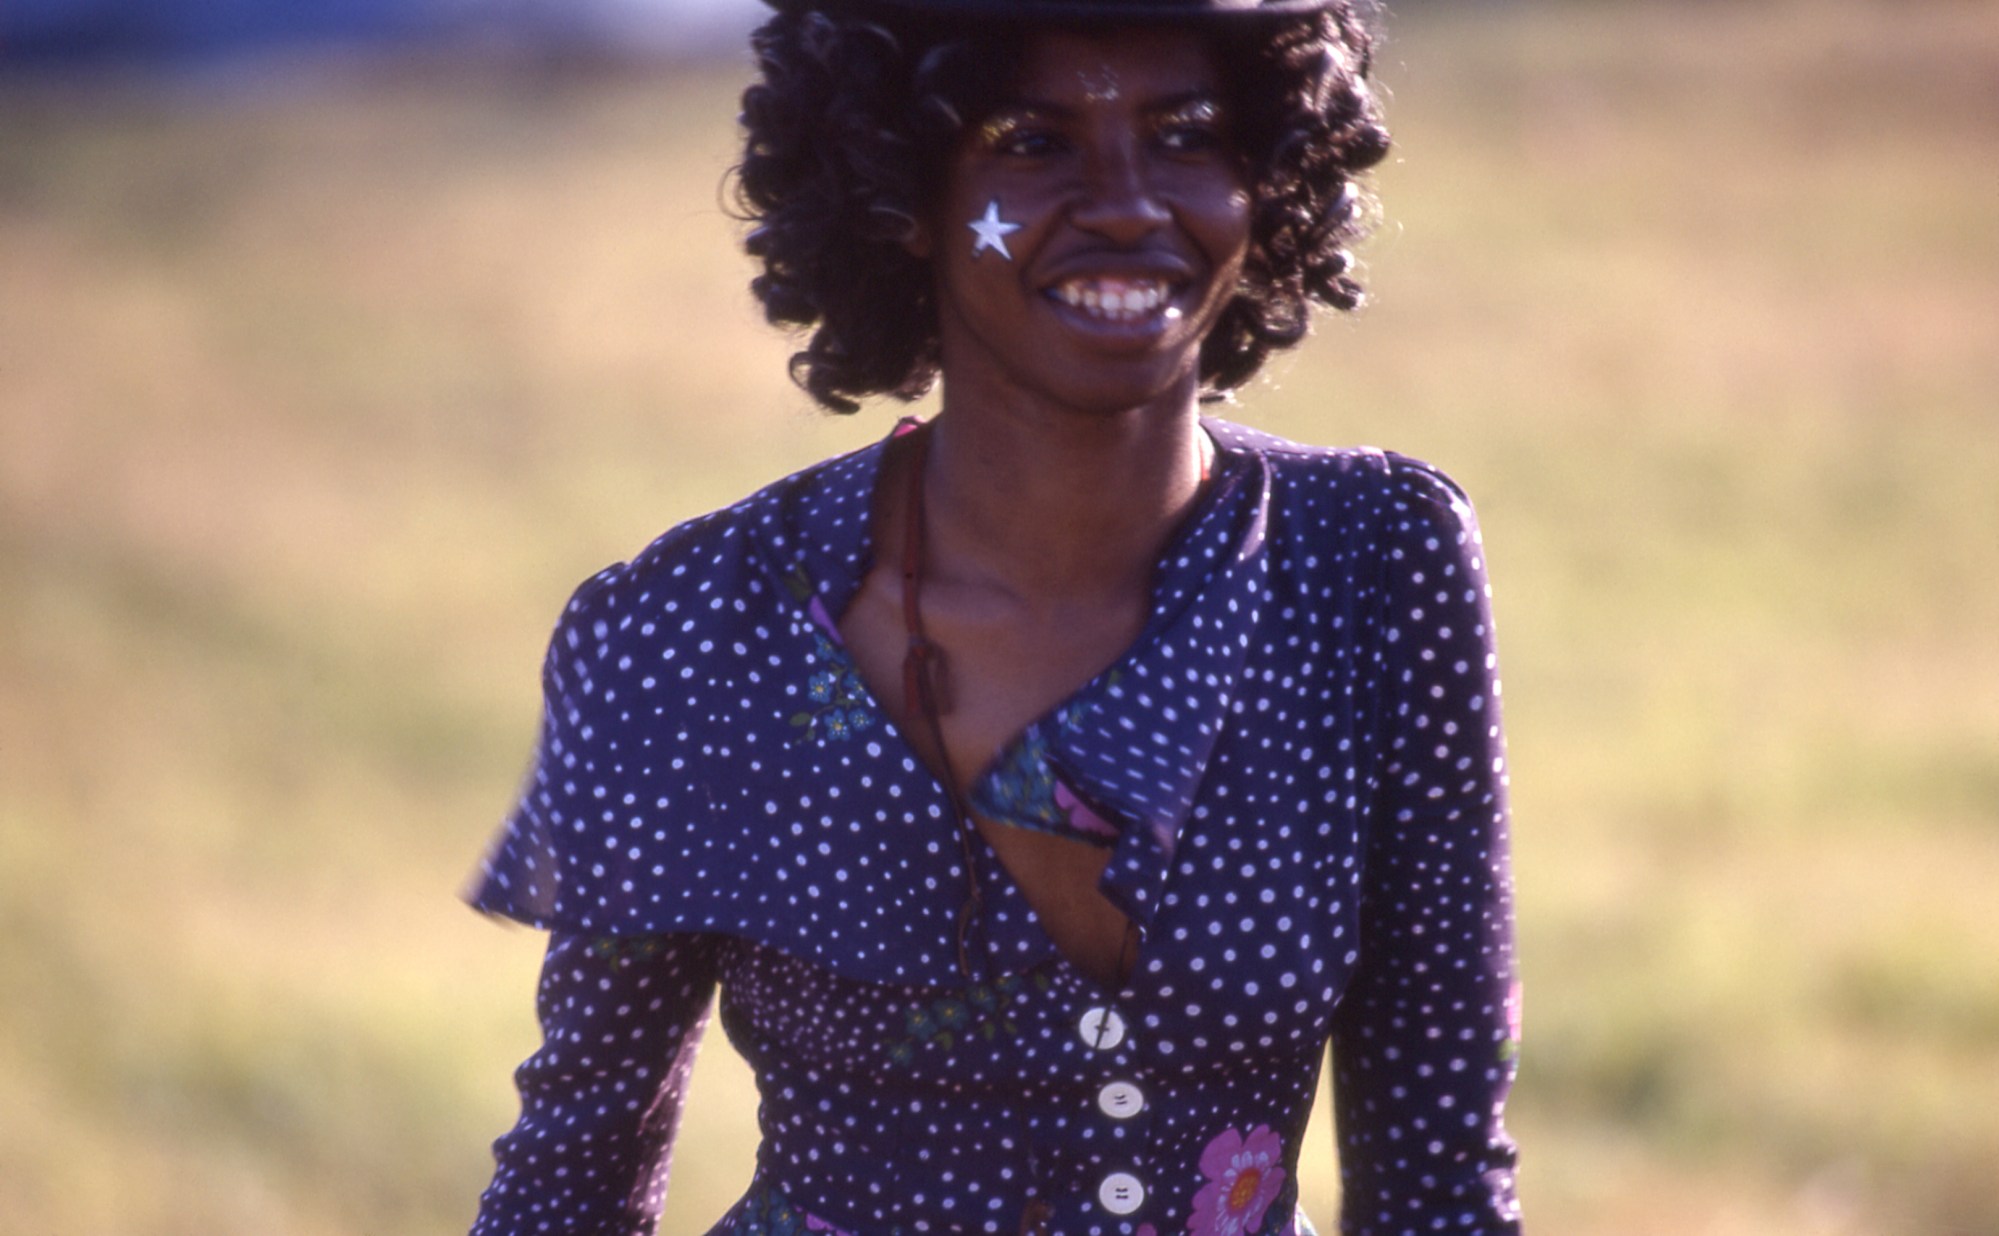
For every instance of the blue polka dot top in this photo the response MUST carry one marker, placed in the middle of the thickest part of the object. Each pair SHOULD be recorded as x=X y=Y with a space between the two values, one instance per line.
x=1297 y=772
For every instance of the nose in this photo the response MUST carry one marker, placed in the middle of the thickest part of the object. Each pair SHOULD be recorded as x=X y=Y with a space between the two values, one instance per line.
x=1118 y=199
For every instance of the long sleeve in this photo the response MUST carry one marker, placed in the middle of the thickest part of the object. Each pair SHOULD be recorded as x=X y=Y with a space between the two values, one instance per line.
x=621 y=1020
x=1424 y=1038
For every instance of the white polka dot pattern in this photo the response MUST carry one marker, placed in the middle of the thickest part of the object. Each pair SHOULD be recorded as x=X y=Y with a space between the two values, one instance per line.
x=1297 y=770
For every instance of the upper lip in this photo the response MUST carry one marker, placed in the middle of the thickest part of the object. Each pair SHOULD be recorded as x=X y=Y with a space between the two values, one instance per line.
x=1168 y=268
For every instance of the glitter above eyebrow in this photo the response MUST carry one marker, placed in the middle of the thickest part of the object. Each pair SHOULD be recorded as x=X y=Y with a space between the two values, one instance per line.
x=1010 y=118
x=996 y=129
x=1201 y=108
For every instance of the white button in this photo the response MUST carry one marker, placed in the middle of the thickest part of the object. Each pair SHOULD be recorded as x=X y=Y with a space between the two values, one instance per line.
x=1101 y=1028
x=1121 y=1100
x=1121 y=1193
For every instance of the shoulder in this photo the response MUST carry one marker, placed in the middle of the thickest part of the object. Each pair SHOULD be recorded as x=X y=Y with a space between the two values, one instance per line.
x=714 y=568
x=1354 y=488
x=1421 y=498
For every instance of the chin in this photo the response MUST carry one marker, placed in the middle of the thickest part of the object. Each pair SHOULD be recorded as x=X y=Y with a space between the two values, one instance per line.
x=1112 y=398
x=1098 y=386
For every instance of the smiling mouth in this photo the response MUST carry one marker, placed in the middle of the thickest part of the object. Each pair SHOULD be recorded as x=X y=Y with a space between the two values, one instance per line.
x=1117 y=300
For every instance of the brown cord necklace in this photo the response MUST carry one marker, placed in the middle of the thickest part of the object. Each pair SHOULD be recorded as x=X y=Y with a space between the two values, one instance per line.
x=922 y=667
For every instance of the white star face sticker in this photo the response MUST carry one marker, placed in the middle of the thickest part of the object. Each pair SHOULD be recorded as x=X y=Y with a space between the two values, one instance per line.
x=992 y=232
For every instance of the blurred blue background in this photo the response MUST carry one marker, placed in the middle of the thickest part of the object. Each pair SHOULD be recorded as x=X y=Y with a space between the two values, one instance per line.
x=214 y=31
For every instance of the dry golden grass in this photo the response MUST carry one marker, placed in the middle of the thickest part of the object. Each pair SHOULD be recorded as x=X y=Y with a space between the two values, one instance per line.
x=315 y=403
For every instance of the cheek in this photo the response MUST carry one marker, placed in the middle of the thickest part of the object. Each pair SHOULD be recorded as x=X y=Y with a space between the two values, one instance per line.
x=1217 y=217
x=974 y=280
x=1230 y=226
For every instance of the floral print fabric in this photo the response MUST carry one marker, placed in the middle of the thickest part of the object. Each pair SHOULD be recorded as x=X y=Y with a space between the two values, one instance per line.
x=1298 y=775
x=1245 y=1175
x=1023 y=789
x=838 y=705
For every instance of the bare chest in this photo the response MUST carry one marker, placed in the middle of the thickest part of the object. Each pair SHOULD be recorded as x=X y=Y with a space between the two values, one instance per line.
x=1001 y=669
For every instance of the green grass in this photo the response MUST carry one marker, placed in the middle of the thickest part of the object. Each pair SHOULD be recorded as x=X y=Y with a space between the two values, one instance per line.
x=315 y=404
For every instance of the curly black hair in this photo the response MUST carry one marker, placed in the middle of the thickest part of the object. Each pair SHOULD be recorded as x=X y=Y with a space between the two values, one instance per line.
x=857 y=111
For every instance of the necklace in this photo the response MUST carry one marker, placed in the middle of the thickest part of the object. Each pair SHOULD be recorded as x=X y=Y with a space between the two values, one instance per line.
x=922 y=671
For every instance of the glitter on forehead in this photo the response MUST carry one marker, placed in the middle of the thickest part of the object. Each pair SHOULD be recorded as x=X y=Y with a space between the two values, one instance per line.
x=1100 y=86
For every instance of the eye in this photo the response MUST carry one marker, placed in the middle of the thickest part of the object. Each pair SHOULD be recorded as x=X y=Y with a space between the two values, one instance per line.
x=1017 y=135
x=1192 y=128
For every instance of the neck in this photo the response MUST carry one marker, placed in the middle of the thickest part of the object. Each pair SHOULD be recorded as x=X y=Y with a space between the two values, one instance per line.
x=1059 y=508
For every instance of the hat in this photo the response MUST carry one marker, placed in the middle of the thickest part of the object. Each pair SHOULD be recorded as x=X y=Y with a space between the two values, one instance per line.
x=1081 y=10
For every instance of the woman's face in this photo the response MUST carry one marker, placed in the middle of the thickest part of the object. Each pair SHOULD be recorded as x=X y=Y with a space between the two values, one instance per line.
x=1093 y=227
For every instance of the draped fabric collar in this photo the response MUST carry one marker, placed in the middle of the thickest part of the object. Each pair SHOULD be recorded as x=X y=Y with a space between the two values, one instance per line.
x=1119 y=763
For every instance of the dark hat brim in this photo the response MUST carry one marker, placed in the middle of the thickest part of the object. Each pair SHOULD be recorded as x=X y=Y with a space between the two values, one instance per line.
x=1076 y=11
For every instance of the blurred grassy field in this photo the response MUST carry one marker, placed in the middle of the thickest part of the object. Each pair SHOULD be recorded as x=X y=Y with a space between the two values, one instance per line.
x=315 y=402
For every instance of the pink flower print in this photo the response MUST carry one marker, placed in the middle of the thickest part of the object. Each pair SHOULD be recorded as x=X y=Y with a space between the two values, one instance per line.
x=1244 y=1177
x=813 y=1223
x=816 y=609
x=1079 y=815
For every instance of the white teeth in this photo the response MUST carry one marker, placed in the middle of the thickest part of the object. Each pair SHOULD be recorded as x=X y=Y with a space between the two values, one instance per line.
x=1114 y=300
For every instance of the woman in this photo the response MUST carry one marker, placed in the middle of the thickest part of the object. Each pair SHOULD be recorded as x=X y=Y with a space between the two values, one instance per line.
x=1045 y=786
